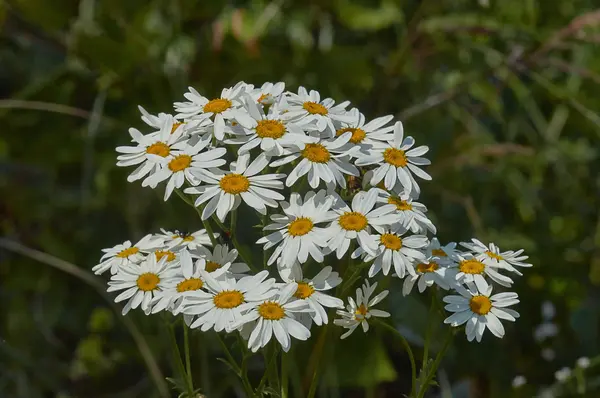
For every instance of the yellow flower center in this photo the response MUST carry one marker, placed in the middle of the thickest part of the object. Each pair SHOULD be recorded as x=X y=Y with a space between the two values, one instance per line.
x=361 y=310
x=304 y=290
x=270 y=129
x=391 y=241
x=271 y=310
x=480 y=305
x=264 y=98
x=316 y=153
x=438 y=253
x=130 y=251
x=314 y=108
x=401 y=205
x=300 y=226
x=357 y=134
x=164 y=253
x=494 y=256
x=181 y=162
x=471 y=266
x=212 y=266
x=217 y=105
x=395 y=157
x=148 y=281
x=423 y=268
x=228 y=299
x=353 y=221
x=159 y=148
x=175 y=126
x=189 y=285
x=185 y=237
x=234 y=183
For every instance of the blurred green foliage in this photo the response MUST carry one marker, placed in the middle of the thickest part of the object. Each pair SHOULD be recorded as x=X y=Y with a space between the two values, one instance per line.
x=504 y=92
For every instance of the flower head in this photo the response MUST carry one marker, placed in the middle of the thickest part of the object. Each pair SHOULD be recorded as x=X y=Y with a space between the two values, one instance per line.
x=360 y=311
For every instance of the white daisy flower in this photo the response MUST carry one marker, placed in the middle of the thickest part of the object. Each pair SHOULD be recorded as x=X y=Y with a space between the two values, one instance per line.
x=141 y=282
x=479 y=311
x=126 y=254
x=160 y=144
x=226 y=300
x=412 y=213
x=297 y=234
x=184 y=165
x=271 y=132
x=325 y=160
x=360 y=311
x=268 y=94
x=219 y=257
x=225 y=191
x=447 y=254
x=154 y=121
x=365 y=136
x=228 y=107
x=492 y=254
x=396 y=162
x=184 y=240
x=429 y=272
x=403 y=252
x=276 y=316
x=470 y=270
x=563 y=374
x=311 y=291
x=354 y=223
x=308 y=109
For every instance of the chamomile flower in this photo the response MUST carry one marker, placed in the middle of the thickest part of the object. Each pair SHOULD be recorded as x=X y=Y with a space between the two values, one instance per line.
x=126 y=254
x=276 y=316
x=140 y=282
x=365 y=135
x=227 y=108
x=225 y=191
x=447 y=254
x=479 y=310
x=297 y=234
x=427 y=273
x=226 y=300
x=360 y=311
x=325 y=160
x=178 y=240
x=149 y=147
x=355 y=223
x=271 y=132
x=470 y=270
x=397 y=162
x=507 y=260
x=268 y=94
x=184 y=165
x=220 y=257
x=154 y=121
x=311 y=291
x=397 y=249
x=307 y=109
x=412 y=213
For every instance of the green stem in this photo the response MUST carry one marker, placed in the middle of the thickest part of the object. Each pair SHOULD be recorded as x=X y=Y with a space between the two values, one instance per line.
x=244 y=367
x=432 y=372
x=188 y=362
x=177 y=358
x=236 y=243
x=316 y=361
x=268 y=363
x=230 y=357
x=411 y=357
x=428 y=332
x=284 y=375
x=206 y=224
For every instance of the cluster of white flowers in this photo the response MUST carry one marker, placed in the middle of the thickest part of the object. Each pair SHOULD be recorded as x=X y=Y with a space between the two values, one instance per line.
x=343 y=186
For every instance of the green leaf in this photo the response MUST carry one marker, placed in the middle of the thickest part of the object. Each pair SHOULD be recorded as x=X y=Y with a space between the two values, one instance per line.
x=358 y=17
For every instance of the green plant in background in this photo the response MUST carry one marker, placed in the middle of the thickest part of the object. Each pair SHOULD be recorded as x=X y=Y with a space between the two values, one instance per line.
x=504 y=94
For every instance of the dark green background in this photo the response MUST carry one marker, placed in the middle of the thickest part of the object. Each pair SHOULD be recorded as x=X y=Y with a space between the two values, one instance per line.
x=505 y=93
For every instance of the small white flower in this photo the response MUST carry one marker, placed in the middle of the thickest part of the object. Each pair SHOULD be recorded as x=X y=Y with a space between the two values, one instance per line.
x=447 y=253
x=307 y=109
x=429 y=272
x=276 y=316
x=220 y=257
x=544 y=331
x=519 y=381
x=492 y=254
x=353 y=223
x=126 y=254
x=479 y=311
x=154 y=121
x=185 y=164
x=583 y=362
x=297 y=234
x=225 y=191
x=311 y=291
x=403 y=252
x=325 y=160
x=178 y=240
x=226 y=300
x=412 y=213
x=268 y=93
x=365 y=135
x=360 y=311
x=548 y=310
x=397 y=162
x=562 y=375
x=470 y=270
x=141 y=282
